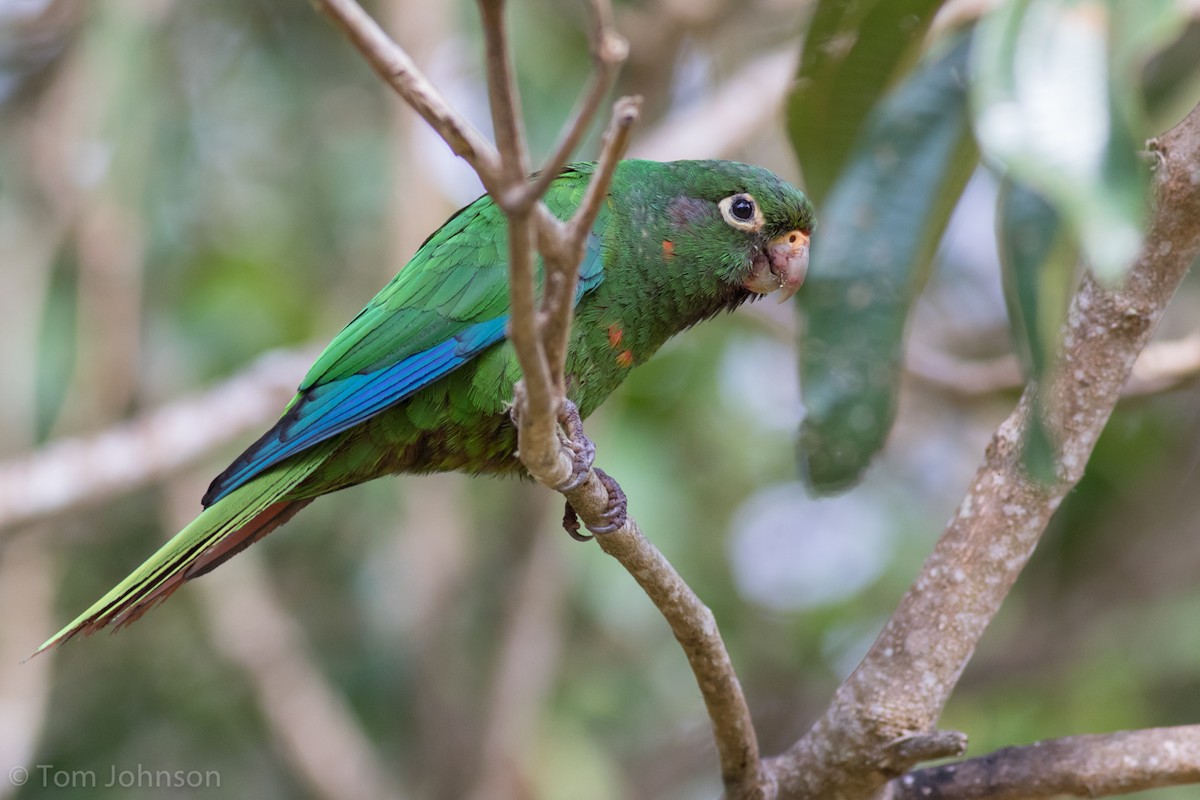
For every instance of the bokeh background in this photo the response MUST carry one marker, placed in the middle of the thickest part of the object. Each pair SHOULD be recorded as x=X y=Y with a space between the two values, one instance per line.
x=186 y=185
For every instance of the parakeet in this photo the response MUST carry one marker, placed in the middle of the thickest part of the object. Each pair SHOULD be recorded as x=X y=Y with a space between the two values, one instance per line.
x=420 y=380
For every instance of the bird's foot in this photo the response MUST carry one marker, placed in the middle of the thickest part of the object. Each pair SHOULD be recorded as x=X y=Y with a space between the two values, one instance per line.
x=583 y=452
x=614 y=516
x=571 y=524
x=583 y=457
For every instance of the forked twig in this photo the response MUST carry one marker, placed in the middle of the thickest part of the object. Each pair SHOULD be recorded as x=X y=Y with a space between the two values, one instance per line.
x=1096 y=765
x=539 y=335
x=900 y=688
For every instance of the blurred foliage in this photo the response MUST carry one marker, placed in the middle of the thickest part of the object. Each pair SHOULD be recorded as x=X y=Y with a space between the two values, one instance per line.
x=870 y=260
x=185 y=185
x=1057 y=108
x=853 y=50
x=1038 y=269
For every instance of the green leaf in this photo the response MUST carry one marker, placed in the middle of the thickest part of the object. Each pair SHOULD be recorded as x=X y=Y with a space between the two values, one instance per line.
x=1038 y=259
x=1056 y=107
x=853 y=51
x=878 y=234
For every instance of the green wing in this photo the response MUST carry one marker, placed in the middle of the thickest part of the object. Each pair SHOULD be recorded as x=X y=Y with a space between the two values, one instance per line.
x=449 y=304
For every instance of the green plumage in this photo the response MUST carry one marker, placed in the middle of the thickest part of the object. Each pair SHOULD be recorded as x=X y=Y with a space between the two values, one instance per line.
x=419 y=381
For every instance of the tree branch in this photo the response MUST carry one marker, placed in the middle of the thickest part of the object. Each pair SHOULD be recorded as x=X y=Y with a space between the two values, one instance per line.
x=1162 y=366
x=505 y=103
x=899 y=689
x=167 y=439
x=73 y=472
x=1079 y=766
x=393 y=64
x=563 y=257
x=540 y=346
x=696 y=630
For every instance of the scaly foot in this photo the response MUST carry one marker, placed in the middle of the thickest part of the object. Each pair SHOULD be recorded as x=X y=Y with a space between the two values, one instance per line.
x=582 y=449
x=615 y=515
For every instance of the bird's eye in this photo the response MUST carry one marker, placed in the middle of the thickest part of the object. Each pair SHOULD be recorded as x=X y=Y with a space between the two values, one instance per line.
x=741 y=212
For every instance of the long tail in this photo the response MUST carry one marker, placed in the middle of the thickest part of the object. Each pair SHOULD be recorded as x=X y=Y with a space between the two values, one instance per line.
x=221 y=531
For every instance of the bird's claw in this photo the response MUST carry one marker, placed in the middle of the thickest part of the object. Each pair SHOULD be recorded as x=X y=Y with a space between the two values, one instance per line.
x=582 y=462
x=614 y=516
x=583 y=451
x=618 y=505
x=571 y=524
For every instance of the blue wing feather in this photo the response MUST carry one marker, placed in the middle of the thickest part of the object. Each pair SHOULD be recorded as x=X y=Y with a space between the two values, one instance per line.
x=327 y=409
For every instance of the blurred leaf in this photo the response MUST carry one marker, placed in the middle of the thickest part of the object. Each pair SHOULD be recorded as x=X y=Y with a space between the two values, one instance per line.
x=1141 y=31
x=878 y=234
x=1056 y=105
x=1171 y=80
x=1037 y=259
x=853 y=52
x=58 y=342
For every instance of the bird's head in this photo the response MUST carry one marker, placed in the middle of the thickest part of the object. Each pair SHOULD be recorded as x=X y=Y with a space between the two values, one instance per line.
x=753 y=226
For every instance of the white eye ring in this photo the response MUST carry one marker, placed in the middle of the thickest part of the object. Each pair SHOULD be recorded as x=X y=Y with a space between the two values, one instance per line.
x=735 y=220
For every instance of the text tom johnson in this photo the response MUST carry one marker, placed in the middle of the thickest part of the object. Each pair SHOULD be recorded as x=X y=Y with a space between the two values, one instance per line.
x=135 y=777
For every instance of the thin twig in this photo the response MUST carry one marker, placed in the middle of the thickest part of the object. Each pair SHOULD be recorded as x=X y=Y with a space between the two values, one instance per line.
x=562 y=245
x=564 y=260
x=1097 y=765
x=1165 y=365
x=609 y=51
x=393 y=64
x=537 y=397
x=696 y=630
x=505 y=103
x=901 y=686
x=616 y=140
x=965 y=377
x=599 y=84
x=535 y=402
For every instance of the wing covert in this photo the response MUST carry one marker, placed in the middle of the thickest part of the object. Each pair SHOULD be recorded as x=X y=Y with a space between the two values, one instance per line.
x=448 y=304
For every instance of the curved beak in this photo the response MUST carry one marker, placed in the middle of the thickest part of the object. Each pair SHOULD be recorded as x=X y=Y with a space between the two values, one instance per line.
x=789 y=261
x=782 y=267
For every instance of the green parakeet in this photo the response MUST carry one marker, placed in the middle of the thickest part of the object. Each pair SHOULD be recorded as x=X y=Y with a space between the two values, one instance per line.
x=421 y=379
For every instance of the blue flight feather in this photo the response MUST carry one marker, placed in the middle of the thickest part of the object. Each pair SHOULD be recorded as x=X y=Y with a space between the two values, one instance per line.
x=328 y=409
x=331 y=408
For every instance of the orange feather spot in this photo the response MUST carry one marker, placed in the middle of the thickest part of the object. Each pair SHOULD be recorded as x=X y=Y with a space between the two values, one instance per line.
x=668 y=248
x=614 y=334
x=625 y=358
